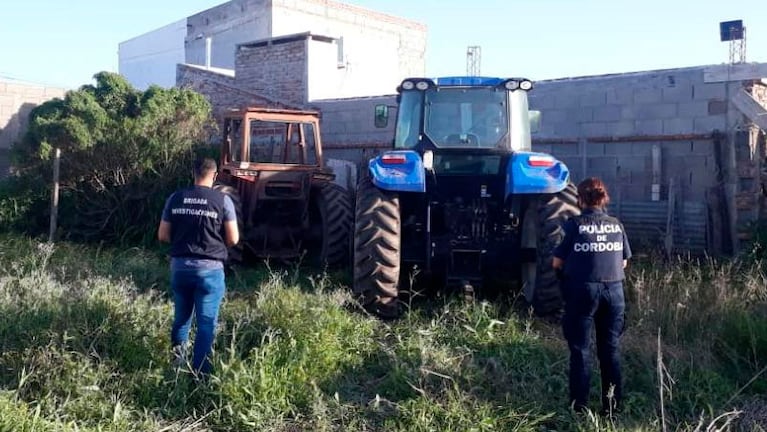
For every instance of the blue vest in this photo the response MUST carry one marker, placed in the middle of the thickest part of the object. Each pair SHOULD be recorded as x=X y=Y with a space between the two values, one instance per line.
x=594 y=248
x=197 y=224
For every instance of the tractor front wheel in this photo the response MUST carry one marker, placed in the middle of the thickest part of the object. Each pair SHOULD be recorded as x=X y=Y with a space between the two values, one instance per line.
x=236 y=251
x=543 y=231
x=377 y=243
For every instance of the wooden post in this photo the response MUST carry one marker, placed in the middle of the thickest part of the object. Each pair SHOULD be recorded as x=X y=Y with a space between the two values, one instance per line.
x=55 y=195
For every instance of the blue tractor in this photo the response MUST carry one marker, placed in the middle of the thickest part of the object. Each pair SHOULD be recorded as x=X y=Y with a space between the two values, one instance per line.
x=461 y=199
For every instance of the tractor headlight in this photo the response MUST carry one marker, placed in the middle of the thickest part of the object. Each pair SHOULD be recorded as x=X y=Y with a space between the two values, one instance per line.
x=511 y=85
x=526 y=85
x=422 y=85
x=408 y=85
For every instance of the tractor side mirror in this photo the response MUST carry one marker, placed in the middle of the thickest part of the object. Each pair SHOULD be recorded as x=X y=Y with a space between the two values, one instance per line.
x=381 y=117
x=535 y=121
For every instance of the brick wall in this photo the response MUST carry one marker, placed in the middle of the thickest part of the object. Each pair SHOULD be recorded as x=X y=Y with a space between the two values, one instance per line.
x=221 y=91
x=274 y=69
x=16 y=101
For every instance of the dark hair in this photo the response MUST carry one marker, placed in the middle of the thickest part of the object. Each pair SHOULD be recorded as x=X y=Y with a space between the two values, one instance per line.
x=204 y=167
x=593 y=193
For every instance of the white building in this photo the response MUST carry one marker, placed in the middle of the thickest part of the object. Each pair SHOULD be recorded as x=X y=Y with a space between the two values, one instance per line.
x=363 y=53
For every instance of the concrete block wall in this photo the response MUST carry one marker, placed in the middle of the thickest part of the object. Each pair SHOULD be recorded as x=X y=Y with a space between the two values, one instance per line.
x=348 y=128
x=664 y=102
x=276 y=69
x=613 y=121
x=627 y=167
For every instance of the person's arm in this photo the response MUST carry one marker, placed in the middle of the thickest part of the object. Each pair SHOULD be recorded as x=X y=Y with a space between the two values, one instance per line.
x=626 y=248
x=231 y=230
x=163 y=231
x=562 y=251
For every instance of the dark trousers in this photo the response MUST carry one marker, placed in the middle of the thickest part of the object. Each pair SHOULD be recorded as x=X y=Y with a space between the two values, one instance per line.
x=600 y=305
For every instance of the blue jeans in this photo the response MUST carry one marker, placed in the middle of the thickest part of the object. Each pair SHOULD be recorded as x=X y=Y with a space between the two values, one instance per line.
x=601 y=305
x=199 y=291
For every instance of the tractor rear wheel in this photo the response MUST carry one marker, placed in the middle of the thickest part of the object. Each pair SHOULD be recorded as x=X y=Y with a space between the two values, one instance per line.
x=334 y=208
x=236 y=251
x=377 y=245
x=543 y=230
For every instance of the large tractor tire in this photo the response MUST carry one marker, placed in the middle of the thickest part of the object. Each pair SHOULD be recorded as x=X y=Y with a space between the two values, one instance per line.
x=236 y=251
x=377 y=245
x=334 y=208
x=543 y=231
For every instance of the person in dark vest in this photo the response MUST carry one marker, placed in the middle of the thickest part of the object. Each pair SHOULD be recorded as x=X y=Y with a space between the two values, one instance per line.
x=200 y=223
x=591 y=261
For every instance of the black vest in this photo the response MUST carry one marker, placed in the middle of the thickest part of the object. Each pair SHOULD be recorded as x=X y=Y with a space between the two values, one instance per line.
x=597 y=250
x=197 y=224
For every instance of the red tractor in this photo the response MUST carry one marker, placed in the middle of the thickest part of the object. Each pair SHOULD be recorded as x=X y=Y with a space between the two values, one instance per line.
x=287 y=203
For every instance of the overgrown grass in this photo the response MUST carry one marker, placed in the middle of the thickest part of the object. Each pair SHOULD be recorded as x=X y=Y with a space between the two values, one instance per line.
x=84 y=338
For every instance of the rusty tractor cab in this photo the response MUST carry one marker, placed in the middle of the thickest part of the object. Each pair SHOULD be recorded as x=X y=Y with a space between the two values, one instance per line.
x=287 y=203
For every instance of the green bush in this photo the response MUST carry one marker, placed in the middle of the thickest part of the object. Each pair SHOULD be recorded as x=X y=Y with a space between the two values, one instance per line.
x=122 y=152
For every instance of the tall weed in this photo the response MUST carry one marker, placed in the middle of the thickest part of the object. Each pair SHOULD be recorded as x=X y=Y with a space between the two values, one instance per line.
x=86 y=348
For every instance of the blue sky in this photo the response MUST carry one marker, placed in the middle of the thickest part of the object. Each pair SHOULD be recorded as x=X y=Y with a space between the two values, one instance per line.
x=45 y=41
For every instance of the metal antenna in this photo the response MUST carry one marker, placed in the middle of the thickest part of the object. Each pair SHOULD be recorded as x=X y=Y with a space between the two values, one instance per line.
x=473 y=60
x=735 y=33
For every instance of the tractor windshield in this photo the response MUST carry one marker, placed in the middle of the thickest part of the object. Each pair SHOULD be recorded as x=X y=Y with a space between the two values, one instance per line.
x=453 y=117
x=466 y=117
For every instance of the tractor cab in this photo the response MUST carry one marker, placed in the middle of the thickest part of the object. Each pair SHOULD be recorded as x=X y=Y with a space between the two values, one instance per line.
x=463 y=112
x=272 y=167
x=257 y=139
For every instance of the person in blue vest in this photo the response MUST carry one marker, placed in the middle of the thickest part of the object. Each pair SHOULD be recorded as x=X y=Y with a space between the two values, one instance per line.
x=200 y=223
x=591 y=261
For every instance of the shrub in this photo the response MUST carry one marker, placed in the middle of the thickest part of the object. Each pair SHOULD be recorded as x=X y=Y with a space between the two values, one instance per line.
x=122 y=152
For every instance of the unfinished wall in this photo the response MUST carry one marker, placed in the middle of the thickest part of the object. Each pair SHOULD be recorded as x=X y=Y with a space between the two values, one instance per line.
x=16 y=101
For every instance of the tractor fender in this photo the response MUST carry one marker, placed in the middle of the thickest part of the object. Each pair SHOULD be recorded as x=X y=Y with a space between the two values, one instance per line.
x=398 y=171
x=535 y=173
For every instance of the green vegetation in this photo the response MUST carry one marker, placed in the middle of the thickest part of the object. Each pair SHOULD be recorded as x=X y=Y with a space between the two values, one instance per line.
x=84 y=342
x=122 y=152
x=84 y=332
